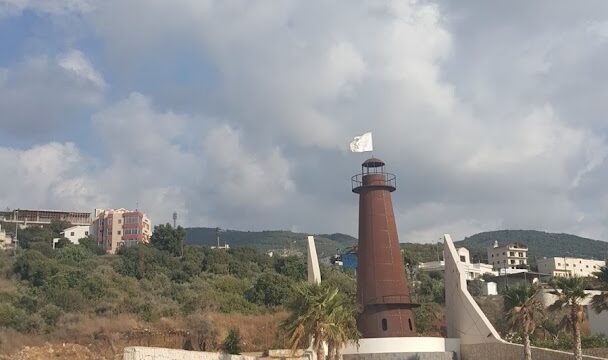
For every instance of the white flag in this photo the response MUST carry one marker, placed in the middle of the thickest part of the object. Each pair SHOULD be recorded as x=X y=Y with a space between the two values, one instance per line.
x=362 y=143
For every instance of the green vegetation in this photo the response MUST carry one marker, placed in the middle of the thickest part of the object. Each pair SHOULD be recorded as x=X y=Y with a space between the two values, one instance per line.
x=524 y=312
x=321 y=313
x=540 y=244
x=232 y=343
x=599 y=302
x=279 y=242
x=570 y=292
x=151 y=282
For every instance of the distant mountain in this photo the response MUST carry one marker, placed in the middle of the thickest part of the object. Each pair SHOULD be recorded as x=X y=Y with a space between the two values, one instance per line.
x=277 y=241
x=540 y=243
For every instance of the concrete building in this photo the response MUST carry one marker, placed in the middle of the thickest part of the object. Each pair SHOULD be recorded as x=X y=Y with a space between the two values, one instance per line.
x=567 y=266
x=115 y=228
x=512 y=256
x=472 y=271
x=74 y=234
x=27 y=217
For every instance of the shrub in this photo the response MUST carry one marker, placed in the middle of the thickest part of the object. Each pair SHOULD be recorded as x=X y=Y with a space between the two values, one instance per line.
x=232 y=343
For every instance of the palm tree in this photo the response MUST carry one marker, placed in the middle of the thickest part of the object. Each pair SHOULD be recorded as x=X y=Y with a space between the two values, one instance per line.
x=599 y=302
x=320 y=314
x=524 y=313
x=570 y=292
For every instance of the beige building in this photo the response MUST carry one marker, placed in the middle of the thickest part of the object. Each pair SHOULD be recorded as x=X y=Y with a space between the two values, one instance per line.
x=567 y=266
x=115 y=228
x=510 y=257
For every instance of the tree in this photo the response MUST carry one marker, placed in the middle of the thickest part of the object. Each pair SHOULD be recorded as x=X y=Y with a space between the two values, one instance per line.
x=232 y=343
x=167 y=238
x=570 y=292
x=269 y=290
x=524 y=313
x=203 y=330
x=91 y=244
x=599 y=302
x=320 y=314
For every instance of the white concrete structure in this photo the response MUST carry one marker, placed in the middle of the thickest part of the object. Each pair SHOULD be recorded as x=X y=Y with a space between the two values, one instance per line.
x=472 y=271
x=464 y=318
x=150 y=353
x=400 y=345
x=511 y=256
x=489 y=288
x=567 y=266
x=598 y=323
x=75 y=233
x=6 y=242
x=314 y=272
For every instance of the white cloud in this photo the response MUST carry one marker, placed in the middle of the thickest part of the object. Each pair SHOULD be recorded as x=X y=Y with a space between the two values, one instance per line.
x=489 y=118
x=38 y=95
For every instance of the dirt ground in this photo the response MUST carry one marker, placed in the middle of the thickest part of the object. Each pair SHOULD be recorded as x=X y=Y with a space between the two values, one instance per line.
x=82 y=337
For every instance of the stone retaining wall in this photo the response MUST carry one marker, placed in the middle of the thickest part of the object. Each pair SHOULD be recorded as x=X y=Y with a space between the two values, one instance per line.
x=153 y=353
x=508 y=351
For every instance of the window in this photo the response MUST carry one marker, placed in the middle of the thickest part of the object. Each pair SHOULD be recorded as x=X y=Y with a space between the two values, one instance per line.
x=71 y=233
x=511 y=253
x=504 y=253
x=492 y=255
x=512 y=261
x=463 y=259
x=521 y=254
x=86 y=233
x=409 y=321
x=120 y=221
x=587 y=266
x=385 y=324
x=118 y=232
x=573 y=265
x=559 y=264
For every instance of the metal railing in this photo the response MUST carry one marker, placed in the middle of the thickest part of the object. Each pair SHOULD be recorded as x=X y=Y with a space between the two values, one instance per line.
x=389 y=180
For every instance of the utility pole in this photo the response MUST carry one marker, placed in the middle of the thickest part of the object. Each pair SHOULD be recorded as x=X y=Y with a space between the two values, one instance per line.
x=175 y=219
x=217 y=237
x=16 y=230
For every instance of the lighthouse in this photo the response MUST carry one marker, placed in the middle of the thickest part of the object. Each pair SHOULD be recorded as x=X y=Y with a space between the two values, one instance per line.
x=382 y=289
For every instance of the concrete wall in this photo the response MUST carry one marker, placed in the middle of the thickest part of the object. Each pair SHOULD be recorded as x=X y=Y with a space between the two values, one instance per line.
x=153 y=353
x=598 y=323
x=464 y=318
x=507 y=351
x=403 y=345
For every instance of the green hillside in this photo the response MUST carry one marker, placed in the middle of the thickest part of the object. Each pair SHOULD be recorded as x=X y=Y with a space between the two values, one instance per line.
x=540 y=243
x=264 y=241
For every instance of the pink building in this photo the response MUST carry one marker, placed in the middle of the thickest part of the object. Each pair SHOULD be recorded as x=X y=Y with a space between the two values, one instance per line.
x=115 y=228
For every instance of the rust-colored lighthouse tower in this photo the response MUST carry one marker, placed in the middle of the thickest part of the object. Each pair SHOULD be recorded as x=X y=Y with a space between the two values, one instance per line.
x=382 y=289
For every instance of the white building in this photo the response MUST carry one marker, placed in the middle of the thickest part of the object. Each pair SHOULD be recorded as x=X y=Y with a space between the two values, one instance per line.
x=5 y=241
x=472 y=271
x=567 y=266
x=512 y=256
x=75 y=233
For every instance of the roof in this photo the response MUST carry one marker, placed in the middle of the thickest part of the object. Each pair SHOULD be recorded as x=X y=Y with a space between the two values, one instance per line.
x=373 y=162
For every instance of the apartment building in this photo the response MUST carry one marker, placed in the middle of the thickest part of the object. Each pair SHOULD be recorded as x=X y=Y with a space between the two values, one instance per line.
x=568 y=266
x=508 y=258
x=120 y=227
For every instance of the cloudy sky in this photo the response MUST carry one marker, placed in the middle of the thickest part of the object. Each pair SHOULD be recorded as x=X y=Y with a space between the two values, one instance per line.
x=238 y=113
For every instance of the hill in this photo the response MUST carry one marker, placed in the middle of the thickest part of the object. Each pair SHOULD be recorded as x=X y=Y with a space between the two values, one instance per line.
x=540 y=243
x=277 y=241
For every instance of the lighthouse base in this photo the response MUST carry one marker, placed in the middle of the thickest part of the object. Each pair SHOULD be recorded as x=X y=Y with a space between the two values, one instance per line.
x=406 y=348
